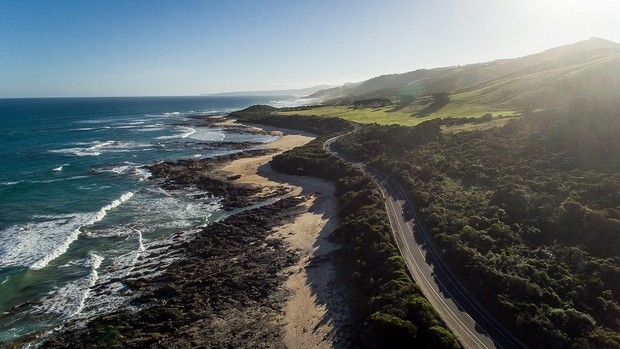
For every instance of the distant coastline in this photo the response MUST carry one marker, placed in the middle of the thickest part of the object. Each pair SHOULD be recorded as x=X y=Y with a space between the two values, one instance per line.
x=300 y=92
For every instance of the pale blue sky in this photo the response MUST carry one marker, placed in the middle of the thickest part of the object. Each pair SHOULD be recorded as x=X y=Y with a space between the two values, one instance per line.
x=143 y=48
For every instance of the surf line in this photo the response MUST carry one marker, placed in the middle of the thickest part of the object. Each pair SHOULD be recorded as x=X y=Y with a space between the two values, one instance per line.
x=96 y=217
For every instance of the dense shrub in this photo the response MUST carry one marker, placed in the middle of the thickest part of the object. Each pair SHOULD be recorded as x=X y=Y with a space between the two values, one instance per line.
x=527 y=215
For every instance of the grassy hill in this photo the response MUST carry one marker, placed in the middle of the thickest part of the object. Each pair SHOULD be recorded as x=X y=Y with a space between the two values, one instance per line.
x=557 y=77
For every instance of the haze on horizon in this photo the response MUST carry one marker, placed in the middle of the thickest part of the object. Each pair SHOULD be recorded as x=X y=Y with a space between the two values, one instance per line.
x=144 y=48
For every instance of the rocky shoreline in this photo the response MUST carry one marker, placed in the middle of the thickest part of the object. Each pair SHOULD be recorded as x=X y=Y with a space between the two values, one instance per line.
x=233 y=284
x=225 y=292
x=201 y=174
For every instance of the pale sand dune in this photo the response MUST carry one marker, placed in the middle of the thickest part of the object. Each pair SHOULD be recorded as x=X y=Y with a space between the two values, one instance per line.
x=307 y=319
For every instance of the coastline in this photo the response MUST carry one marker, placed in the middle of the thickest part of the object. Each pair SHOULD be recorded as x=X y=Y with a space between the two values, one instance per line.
x=314 y=315
x=262 y=275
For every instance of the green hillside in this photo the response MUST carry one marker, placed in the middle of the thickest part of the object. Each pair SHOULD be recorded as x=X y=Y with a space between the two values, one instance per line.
x=554 y=78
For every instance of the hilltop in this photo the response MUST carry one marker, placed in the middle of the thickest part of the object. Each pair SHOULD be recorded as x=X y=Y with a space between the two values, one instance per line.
x=556 y=77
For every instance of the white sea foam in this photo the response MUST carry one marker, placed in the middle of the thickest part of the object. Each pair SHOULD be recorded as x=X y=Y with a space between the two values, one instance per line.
x=121 y=232
x=141 y=247
x=140 y=250
x=142 y=173
x=186 y=132
x=96 y=148
x=158 y=209
x=132 y=124
x=37 y=243
x=127 y=168
x=125 y=127
x=94 y=187
x=90 y=220
x=70 y=299
x=148 y=258
x=77 y=151
x=84 y=129
x=123 y=169
x=47 y=181
x=157 y=191
x=208 y=134
x=59 y=168
x=91 y=128
x=104 y=210
x=95 y=263
x=160 y=221
x=91 y=149
x=44 y=181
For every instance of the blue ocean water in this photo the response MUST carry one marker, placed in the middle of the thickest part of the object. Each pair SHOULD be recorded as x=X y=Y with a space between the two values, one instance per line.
x=76 y=207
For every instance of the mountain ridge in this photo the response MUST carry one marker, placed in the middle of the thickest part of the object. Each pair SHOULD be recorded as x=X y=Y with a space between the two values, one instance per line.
x=546 y=79
x=301 y=92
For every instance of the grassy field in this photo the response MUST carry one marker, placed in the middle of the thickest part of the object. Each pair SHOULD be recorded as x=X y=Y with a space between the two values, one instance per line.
x=381 y=116
x=406 y=116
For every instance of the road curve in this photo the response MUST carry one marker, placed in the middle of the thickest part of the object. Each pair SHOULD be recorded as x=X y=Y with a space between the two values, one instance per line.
x=473 y=327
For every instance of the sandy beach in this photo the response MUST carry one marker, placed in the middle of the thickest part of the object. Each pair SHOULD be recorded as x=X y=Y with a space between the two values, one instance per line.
x=314 y=313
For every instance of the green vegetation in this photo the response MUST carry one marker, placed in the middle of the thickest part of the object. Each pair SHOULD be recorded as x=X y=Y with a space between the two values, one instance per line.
x=394 y=310
x=265 y=115
x=382 y=115
x=394 y=313
x=390 y=116
x=553 y=78
x=527 y=215
x=550 y=79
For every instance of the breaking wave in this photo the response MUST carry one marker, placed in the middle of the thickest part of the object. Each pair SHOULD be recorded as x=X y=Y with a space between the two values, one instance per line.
x=97 y=148
x=36 y=244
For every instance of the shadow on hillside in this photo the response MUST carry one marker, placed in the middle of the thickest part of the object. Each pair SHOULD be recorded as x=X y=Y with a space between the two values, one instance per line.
x=399 y=107
x=429 y=109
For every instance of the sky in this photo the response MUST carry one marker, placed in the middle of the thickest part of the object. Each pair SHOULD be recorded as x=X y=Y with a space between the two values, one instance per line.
x=56 y=48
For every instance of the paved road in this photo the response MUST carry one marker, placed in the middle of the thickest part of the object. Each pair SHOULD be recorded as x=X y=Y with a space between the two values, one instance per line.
x=465 y=318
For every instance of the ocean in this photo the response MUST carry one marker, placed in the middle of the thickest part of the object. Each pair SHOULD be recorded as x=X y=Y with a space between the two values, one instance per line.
x=77 y=209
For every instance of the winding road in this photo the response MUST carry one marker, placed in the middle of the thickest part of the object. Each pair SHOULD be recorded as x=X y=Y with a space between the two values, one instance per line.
x=469 y=322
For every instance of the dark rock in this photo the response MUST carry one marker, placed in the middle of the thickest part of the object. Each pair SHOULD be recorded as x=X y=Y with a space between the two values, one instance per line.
x=225 y=292
x=181 y=174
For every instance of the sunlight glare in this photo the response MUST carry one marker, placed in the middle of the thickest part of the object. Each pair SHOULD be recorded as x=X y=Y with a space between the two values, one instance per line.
x=561 y=8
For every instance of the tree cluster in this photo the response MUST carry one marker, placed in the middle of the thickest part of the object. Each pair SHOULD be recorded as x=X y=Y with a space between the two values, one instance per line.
x=527 y=216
